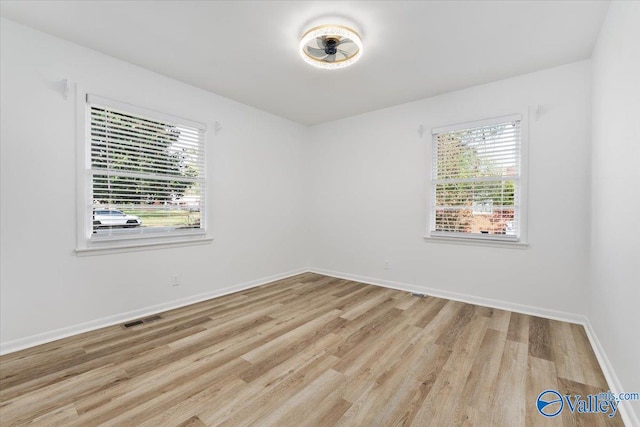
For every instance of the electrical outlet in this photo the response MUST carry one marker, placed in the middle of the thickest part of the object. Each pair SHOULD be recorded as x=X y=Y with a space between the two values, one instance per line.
x=386 y=264
x=175 y=280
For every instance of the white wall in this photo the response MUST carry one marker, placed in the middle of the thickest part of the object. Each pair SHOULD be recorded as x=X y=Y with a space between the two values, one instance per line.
x=258 y=217
x=614 y=299
x=368 y=196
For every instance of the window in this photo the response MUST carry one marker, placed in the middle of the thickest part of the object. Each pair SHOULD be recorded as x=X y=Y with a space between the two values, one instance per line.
x=476 y=185
x=145 y=174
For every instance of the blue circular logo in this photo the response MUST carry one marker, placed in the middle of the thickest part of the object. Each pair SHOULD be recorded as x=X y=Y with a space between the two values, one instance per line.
x=549 y=403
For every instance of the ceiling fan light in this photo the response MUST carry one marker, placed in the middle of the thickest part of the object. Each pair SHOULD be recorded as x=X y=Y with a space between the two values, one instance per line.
x=312 y=41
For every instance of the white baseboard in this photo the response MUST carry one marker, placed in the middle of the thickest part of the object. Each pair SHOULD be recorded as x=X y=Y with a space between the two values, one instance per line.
x=470 y=299
x=45 y=337
x=629 y=416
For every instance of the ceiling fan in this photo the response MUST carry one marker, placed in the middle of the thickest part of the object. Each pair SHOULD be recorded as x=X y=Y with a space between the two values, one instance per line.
x=328 y=48
x=331 y=46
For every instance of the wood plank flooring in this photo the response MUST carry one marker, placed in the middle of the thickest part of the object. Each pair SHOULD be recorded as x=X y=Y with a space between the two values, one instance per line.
x=304 y=351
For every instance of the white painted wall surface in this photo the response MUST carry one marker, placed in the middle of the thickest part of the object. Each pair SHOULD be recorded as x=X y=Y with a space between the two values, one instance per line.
x=258 y=216
x=369 y=194
x=614 y=298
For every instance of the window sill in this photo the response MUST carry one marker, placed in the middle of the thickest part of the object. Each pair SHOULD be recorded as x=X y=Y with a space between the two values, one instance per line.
x=476 y=242
x=129 y=246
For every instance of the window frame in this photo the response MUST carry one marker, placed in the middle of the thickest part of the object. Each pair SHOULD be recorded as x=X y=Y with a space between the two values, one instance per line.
x=86 y=242
x=521 y=240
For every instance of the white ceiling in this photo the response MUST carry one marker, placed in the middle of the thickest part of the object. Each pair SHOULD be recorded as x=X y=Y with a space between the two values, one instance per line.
x=248 y=50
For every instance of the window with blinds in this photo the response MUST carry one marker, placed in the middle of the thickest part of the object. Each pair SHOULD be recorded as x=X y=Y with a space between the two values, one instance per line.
x=475 y=180
x=147 y=174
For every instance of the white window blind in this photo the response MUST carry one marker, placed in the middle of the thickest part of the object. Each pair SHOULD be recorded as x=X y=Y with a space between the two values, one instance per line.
x=147 y=172
x=475 y=181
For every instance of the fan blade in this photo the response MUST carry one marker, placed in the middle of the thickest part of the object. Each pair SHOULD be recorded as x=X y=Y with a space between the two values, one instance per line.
x=322 y=42
x=329 y=58
x=344 y=41
x=315 y=52
x=344 y=52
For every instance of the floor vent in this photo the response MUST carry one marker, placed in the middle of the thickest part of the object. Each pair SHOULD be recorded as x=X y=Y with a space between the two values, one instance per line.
x=141 y=321
x=134 y=323
x=419 y=295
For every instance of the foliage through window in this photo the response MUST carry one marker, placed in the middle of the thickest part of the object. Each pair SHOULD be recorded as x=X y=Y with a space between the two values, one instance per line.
x=146 y=172
x=475 y=185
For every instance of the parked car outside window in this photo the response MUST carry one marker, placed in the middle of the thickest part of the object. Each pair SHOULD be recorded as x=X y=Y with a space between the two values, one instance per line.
x=113 y=218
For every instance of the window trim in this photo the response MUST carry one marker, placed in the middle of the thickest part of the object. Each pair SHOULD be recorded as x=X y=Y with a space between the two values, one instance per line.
x=123 y=243
x=521 y=241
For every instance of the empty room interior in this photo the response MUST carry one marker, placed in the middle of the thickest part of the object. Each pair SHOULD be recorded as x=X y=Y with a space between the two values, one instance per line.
x=301 y=213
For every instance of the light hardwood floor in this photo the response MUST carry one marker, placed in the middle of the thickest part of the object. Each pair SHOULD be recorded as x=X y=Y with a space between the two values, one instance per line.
x=307 y=350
